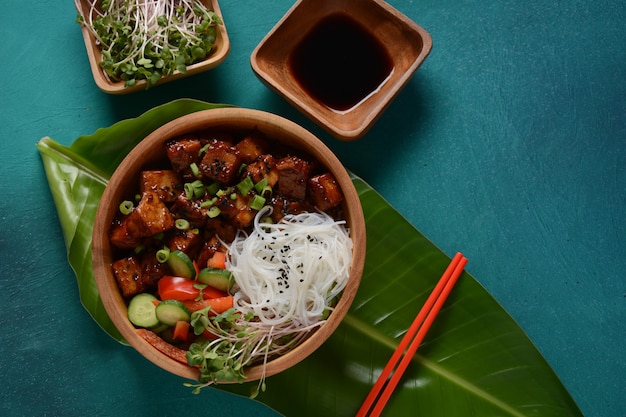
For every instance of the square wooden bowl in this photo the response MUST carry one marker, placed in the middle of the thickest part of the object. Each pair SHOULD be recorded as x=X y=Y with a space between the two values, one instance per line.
x=220 y=50
x=405 y=43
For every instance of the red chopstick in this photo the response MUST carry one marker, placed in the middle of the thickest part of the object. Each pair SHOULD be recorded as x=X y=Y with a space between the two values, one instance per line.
x=413 y=338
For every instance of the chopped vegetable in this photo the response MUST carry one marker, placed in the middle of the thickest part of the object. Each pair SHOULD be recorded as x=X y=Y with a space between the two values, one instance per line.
x=181 y=265
x=163 y=254
x=142 y=311
x=181 y=330
x=182 y=224
x=126 y=207
x=218 y=260
x=217 y=305
x=218 y=278
x=183 y=289
x=171 y=311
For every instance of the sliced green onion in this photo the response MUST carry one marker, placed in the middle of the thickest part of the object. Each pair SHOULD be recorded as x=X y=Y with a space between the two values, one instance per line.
x=259 y=186
x=188 y=190
x=126 y=207
x=213 y=188
x=245 y=186
x=203 y=149
x=257 y=202
x=208 y=203
x=266 y=191
x=233 y=196
x=213 y=212
x=163 y=255
x=182 y=224
x=194 y=189
x=194 y=169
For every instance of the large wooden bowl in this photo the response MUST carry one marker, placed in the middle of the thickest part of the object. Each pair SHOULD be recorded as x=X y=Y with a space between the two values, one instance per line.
x=151 y=152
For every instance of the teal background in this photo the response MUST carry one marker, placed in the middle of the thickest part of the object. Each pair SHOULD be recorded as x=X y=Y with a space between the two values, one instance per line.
x=508 y=144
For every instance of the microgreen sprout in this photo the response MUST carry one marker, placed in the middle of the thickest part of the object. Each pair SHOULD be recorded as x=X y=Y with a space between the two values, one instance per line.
x=149 y=39
x=240 y=341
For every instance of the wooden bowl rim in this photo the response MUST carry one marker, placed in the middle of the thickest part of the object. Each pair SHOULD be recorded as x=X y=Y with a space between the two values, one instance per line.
x=133 y=162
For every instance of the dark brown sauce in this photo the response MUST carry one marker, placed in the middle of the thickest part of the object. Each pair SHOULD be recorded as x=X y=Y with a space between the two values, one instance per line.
x=339 y=63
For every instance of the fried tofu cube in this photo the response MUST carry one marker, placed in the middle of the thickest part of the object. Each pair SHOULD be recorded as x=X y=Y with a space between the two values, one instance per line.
x=293 y=173
x=324 y=191
x=264 y=167
x=182 y=152
x=236 y=210
x=188 y=241
x=127 y=232
x=150 y=217
x=252 y=146
x=166 y=183
x=219 y=226
x=221 y=162
x=191 y=210
x=136 y=274
x=154 y=214
x=283 y=206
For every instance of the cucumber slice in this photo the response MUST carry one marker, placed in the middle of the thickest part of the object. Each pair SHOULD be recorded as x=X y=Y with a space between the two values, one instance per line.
x=181 y=265
x=170 y=311
x=221 y=279
x=142 y=311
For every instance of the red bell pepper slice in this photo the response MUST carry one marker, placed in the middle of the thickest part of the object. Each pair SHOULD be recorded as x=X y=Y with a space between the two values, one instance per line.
x=218 y=305
x=183 y=289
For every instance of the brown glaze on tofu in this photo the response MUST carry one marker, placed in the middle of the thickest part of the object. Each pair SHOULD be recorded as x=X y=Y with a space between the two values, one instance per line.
x=283 y=206
x=263 y=167
x=182 y=152
x=166 y=183
x=191 y=210
x=154 y=214
x=293 y=173
x=150 y=217
x=221 y=227
x=325 y=191
x=221 y=162
x=136 y=274
x=188 y=241
x=127 y=231
x=252 y=146
x=236 y=210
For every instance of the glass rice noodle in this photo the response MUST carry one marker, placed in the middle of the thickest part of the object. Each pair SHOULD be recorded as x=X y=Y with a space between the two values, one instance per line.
x=289 y=274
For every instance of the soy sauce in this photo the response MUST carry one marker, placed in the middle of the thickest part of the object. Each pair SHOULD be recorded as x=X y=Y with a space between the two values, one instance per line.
x=339 y=63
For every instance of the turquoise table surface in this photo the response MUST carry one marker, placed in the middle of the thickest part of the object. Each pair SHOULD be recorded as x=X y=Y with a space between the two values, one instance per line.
x=508 y=144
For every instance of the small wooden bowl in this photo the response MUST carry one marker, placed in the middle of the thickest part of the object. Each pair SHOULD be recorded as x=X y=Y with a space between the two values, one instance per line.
x=406 y=43
x=151 y=152
x=220 y=50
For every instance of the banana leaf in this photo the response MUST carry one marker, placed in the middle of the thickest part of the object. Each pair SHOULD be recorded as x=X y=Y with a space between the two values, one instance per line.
x=475 y=359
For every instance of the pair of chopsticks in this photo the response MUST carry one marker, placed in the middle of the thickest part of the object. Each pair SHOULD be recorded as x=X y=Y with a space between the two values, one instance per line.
x=413 y=338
